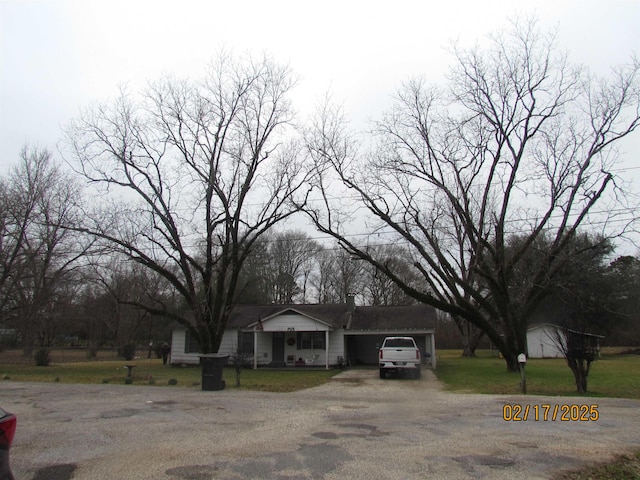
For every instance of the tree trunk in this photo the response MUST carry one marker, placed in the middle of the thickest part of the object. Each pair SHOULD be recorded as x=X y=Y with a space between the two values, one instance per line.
x=512 y=362
x=580 y=369
x=471 y=336
x=467 y=350
x=27 y=341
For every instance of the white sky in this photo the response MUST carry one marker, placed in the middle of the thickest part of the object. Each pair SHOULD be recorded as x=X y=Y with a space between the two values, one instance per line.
x=57 y=56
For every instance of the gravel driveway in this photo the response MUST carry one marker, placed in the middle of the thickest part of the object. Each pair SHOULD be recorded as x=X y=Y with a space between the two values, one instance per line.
x=356 y=426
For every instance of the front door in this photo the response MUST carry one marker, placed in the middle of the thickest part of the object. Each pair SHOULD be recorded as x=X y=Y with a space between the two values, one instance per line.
x=277 y=349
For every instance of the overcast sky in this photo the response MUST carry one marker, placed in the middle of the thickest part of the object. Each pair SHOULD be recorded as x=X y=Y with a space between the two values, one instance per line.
x=59 y=55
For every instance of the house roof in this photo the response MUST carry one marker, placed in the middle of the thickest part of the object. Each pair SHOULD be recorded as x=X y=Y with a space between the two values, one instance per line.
x=566 y=329
x=336 y=315
x=405 y=317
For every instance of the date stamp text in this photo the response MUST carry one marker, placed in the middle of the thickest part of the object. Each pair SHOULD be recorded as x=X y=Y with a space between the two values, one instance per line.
x=546 y=412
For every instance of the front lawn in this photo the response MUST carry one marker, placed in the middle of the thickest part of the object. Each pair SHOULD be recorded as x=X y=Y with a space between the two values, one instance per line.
x=613 y=375
x=152 y=372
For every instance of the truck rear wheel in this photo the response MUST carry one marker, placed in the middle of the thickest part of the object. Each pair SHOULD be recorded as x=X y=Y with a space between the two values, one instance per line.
x=417 y=373
x=382 y=373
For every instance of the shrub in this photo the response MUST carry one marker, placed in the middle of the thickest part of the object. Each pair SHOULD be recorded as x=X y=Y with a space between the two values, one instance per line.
x=173 y=381
x=43 y=357
x=240 y=361
x=128 y=381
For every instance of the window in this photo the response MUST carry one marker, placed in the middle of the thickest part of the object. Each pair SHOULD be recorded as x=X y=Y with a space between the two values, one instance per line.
x=311 y=341
x=399 y=343
x=245 y=343
x=191 y=345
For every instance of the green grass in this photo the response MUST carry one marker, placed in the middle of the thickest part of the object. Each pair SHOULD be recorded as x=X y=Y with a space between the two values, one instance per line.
x=610 y=376
x=623 y=467
x=278 y=380
x=152 y=372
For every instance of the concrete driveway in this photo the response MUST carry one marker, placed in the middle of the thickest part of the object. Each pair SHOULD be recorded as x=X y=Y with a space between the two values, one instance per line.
x=357 y=426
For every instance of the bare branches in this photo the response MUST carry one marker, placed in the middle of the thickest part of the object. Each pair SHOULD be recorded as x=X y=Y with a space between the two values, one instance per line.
x=39 y=252
x=520 y=143
x=206 y=169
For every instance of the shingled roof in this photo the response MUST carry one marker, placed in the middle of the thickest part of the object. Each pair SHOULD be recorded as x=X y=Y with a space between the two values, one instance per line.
x=242 y=316
x=406 y=317
x=403 y=317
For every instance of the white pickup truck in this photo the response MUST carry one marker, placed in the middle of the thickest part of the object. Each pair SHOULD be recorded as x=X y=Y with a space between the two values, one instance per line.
x=399 y=354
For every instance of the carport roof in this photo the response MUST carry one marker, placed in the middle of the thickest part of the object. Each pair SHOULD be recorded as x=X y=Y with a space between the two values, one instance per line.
x=403 y=317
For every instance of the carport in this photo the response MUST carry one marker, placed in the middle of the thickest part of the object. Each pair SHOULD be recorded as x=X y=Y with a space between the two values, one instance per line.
x=363 y=346
x=370 y=325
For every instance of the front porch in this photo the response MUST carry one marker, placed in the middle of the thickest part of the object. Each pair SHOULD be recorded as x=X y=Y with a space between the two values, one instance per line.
x=297 y=349
x=293 y=339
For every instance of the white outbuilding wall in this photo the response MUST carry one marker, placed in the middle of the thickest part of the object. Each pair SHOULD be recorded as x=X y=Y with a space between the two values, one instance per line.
x=540 y=342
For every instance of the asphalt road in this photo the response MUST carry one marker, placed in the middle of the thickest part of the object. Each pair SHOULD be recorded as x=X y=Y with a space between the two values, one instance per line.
x=357 y=426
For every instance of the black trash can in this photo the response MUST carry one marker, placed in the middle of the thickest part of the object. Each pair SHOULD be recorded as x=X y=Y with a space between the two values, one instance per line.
x=212 y=368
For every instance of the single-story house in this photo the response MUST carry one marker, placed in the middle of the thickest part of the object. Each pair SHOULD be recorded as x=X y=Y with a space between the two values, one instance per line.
x=314 y=335
x=542 y=340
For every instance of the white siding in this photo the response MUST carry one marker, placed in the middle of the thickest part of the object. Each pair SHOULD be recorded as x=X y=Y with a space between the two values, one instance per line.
x=297 y=322
x=336 y=347
x=228 y=346
x=229 y=343
x=264 y=348
x=178 y=356
x=540 y=342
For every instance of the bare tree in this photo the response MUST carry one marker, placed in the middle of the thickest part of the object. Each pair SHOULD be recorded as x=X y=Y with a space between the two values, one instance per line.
x=379 y=289
x=583 y=305
x=337 y=276
x=520 y=142
x=19 y=198
x=292 y=256
x=470 y=336
x=40 y=254
x=321 y=278
x=580 y=349
x=122 y=286
x=206 y=169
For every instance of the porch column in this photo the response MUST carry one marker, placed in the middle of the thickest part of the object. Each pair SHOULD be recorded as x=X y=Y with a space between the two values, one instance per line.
x=433 y=351
x=255 y=349
x=326 y=351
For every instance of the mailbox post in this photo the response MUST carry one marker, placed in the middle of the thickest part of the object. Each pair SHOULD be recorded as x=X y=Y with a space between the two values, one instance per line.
x=522 y=360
